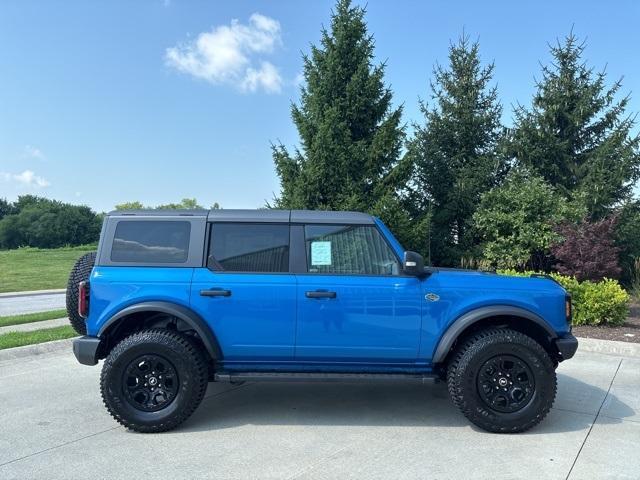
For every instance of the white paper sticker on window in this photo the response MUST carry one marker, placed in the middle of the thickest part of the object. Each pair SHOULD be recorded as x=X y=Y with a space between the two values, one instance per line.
x=320 y=253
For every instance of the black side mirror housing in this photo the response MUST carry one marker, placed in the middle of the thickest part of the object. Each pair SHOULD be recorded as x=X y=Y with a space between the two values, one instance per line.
x=413 y=264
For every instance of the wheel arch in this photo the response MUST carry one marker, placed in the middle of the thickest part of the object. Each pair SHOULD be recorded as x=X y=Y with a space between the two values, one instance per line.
x=518 y=318
x=188 y=316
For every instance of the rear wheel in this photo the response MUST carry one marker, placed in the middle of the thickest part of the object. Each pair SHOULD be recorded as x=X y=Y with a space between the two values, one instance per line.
x=153 y=380
x=502 y=380
x=79 y=273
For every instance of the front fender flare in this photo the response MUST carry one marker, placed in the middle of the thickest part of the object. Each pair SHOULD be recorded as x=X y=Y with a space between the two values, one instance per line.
x=461 y=323
x=190 y=317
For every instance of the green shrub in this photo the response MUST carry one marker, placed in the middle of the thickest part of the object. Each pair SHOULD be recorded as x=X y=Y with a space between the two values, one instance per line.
x=594 y=303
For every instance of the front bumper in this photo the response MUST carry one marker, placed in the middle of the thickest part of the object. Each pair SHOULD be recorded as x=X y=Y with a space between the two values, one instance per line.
x=86 y=350
x=567 y=346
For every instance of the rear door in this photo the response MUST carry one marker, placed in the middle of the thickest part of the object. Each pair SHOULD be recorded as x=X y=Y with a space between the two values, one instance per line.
x=354 y=305
x=246 y=292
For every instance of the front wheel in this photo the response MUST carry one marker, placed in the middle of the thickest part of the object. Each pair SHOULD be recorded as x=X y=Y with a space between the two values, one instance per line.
x=153 y=380
x=502 y=380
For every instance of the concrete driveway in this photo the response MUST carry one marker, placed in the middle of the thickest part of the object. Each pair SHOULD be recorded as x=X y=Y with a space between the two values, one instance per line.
x=53 y=425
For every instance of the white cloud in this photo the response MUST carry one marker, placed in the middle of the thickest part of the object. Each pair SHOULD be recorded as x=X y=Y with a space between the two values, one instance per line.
x=25 y=179
x=266 y=77
x=33 y=152
x=230 y=54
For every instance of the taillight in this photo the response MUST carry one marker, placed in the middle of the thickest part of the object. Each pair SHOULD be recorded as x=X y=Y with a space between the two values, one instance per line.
x=567 y=308
x=83 y=299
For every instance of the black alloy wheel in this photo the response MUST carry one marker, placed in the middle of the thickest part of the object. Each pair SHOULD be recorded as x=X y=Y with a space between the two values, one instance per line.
x=150 y=383
x=505 y=383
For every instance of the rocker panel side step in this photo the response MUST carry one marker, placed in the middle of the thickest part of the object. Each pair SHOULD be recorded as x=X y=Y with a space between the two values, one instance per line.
x=234 y=377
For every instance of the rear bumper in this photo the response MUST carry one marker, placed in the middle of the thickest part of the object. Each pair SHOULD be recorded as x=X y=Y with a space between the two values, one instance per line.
x=567 y=346
x=86 y=350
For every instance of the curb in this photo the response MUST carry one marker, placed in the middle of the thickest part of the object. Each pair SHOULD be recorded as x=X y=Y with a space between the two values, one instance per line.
x=33 y=293
x=37 y=349
x=609 y=347
x=33 y=326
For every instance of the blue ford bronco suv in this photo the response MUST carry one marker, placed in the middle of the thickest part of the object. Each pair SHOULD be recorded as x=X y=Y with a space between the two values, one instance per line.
x=173 y=300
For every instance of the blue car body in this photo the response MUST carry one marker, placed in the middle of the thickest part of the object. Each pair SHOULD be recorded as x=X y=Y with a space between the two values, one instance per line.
x=382 y=323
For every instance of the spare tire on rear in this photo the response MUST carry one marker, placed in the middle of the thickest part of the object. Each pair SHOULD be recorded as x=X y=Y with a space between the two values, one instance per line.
x=79 y=273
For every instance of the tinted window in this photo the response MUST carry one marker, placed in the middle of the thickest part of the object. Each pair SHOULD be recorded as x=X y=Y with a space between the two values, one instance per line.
x=239 y=247
x=151 y=242
x=349 y=250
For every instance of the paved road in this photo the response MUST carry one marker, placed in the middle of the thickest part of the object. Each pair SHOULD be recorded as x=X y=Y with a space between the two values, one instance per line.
x=19 y=304
x=54 y=426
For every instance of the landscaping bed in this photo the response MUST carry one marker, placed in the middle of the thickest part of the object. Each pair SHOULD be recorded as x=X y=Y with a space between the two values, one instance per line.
x=629 y=331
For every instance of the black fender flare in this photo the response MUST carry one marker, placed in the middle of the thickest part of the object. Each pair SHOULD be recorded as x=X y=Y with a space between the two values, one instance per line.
x=461 y=323
x=190 y=317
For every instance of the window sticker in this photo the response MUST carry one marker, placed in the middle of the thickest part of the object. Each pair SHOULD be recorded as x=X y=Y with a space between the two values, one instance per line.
x=320 y=253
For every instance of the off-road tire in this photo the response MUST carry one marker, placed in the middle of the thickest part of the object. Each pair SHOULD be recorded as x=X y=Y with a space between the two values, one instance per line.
x=182 y=354
x=79 y=273
x=463 y=384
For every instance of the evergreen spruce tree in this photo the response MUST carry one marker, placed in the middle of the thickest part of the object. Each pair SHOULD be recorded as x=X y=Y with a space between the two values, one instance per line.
x=456 y=152
x=350 y=135
x=576 y=134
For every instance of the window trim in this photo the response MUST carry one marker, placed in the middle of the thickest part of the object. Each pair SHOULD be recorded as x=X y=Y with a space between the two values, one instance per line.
x=194 y=255
x=205 y=260
x=375 y=226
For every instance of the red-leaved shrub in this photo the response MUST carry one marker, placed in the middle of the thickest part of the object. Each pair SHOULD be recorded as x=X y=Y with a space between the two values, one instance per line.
x=588 y=251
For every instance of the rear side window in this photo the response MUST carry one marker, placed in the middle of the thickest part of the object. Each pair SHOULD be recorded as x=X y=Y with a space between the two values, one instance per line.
x=344 y=249
x=246 y=247
x=151 y=242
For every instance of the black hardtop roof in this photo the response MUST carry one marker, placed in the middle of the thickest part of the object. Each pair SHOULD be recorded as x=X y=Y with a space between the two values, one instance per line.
x=260 y=215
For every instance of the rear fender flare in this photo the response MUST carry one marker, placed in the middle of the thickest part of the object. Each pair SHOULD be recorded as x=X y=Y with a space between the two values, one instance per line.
x=185 y=314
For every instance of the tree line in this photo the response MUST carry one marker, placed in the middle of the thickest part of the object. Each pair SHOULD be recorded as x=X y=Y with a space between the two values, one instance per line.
x=554 y=191
x=33 y=221
x=40 y=222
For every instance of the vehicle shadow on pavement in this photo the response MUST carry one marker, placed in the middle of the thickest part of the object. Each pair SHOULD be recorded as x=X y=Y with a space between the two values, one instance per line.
x=397 y=404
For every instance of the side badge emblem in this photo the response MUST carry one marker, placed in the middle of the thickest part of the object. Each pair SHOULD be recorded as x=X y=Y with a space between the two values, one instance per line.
x=432 y=297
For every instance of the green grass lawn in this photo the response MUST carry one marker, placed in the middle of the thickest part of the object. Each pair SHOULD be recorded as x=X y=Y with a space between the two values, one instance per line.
x=32 y=317
x=19 y=339
x=38 y=269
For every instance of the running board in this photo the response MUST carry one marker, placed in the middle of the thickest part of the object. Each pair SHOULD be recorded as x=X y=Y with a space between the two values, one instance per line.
x=233 y=377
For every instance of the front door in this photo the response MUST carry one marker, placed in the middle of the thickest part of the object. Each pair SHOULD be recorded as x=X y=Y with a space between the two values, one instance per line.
x=246 y=293
x=354 y=305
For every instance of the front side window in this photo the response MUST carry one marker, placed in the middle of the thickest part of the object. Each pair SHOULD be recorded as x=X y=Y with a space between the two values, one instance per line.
x=238 y=247
x=154 y=241
x=344 y=249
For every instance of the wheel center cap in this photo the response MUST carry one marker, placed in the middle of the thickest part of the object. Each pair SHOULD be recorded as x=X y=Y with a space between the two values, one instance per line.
x=153 y=381
x=502 y=382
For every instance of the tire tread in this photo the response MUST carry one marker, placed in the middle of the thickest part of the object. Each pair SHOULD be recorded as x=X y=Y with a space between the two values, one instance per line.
x=465 y=353
x=174 y=340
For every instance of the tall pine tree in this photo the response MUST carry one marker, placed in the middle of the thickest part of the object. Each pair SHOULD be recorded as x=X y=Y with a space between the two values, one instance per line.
x=350 y=134
x=576 y=134
x=456 y=152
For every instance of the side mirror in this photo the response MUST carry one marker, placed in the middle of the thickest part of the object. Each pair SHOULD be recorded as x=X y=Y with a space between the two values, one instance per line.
x=413 y=264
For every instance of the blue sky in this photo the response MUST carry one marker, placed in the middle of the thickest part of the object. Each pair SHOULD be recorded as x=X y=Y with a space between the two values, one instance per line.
x=106 y=102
